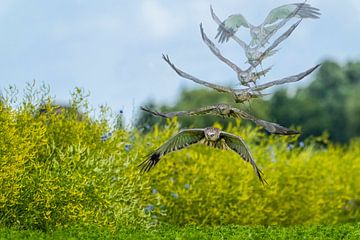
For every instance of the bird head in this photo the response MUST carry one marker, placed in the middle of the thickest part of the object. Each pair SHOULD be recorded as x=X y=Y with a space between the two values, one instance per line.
x=212 y=134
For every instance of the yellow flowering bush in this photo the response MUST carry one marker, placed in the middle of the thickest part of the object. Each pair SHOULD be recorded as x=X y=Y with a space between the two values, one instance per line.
x=307 y=184
x=57 y=169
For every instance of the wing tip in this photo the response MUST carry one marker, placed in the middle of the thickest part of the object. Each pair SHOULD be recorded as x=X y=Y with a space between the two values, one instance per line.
x=286 y=131
x=260 y=174
x=149 y=162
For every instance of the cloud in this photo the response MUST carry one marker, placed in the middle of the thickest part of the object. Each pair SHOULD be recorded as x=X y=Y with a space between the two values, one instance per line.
x=159 y=20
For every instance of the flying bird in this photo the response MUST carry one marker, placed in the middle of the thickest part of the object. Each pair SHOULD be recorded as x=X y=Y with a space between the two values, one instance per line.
x=261 y=33
x=245 y=94
x=252 y=54
x=210 y=136
x=226 y=110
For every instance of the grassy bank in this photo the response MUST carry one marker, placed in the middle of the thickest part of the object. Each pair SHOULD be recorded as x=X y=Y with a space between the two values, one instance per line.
x=345 y=231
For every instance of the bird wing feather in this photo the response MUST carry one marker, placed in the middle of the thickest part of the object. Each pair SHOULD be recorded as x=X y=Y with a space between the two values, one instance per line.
x=183 y=74
x=228 y=27
x=237 y=144
x=269 y=126
x=299 y=10
x=200 y=111
x=182 y=139
x=290 y=79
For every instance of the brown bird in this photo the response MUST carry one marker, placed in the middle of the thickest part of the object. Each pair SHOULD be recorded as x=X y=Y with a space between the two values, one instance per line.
x=225 y=110
x=210 y=136
x=245 y=94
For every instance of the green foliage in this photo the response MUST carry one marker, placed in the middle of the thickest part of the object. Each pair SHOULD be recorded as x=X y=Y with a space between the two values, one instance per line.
x=57 y=169
x=327 y=104
x=326 y=232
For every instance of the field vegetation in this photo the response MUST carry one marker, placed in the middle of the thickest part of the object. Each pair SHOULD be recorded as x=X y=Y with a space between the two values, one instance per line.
x=62 y=167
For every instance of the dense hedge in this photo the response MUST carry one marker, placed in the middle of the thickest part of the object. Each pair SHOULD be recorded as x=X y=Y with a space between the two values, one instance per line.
x=56 y=170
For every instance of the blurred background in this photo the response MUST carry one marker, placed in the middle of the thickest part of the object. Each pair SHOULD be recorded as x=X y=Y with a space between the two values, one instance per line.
x=113 y=50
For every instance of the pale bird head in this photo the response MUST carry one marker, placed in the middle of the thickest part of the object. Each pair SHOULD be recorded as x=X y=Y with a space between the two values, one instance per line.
x=212 y=134
x=222 y=107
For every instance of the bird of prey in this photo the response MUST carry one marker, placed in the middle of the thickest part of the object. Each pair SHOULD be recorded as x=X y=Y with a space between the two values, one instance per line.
x=261 y=33
x=226 y=110
x=245 y=94
x=254 y=54
x=210 y=136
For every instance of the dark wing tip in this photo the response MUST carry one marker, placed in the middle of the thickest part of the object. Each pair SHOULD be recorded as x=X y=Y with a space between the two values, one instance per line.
x=156 y=113
x=145 y=109
x=316 y=66
x=165 y=57
x=292 y=132
x=260 y=174
x=149 y=163
x=285 y=131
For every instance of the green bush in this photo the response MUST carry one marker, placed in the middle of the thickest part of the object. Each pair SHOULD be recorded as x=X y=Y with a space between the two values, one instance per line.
x=56 y=170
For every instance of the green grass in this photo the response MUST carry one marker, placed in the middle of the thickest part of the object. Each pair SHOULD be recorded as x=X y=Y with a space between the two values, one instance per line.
x=345 y=231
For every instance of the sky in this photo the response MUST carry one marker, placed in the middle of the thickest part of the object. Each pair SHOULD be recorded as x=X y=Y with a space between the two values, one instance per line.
x=113 y=48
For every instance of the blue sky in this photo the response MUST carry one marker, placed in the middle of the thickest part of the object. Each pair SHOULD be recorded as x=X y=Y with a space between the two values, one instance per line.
x=113 y=48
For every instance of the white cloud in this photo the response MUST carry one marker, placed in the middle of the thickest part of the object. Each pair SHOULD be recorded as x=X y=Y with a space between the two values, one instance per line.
x=160 y=22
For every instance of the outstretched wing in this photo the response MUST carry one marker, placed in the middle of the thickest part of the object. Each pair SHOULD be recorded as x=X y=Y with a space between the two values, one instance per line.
x=299 y=10
x=236 y=144
x=200 y=111
x=275 y=128
x=218 y=22
x=290 y=79
x=229 y=27
x=183 y=74
x=269 y=126
x=181 y=140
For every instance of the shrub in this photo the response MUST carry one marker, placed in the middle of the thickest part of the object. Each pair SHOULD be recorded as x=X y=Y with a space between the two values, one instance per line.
x=307 y=185
x=57 y=169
